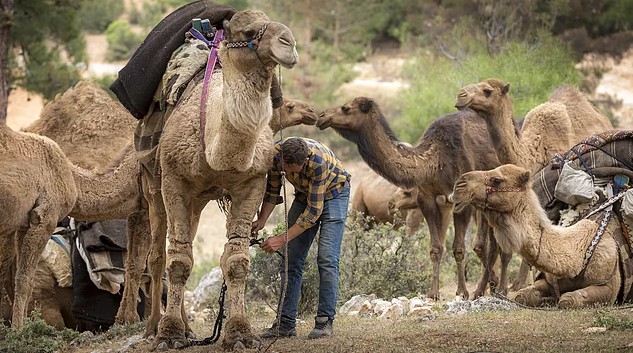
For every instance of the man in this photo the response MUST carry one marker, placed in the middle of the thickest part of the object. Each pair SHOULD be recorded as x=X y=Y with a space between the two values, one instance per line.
x=322 y=188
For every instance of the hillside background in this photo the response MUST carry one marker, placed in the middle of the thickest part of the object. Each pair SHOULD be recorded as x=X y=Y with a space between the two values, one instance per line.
x=411 y=56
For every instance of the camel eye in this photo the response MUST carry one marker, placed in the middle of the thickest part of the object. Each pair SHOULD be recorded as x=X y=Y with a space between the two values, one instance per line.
x=249 y=33
x=495 y=181
x=345 y=109
x=487 y=92
x=407 y=193
x=290 y=107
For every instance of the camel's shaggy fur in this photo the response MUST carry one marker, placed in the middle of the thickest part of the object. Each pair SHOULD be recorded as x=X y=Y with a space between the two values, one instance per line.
x=452 y=145
x=521 y=225
x=373 y=196
x=36 y=191
x=88 y=125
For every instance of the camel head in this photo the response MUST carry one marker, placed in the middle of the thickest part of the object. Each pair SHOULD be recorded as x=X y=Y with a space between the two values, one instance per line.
x=253 y=39
x=350 y=116
x=403 y=199
x=499 y=190
x=483 y=97
x=297 y=112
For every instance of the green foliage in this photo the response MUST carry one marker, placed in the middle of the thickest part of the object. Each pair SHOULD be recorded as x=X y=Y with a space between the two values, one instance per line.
x=96 y=15
x=613 y=322
x=122 y=42
x=384 y=261
x=36 y=337
x=533 y=68
x=51 y=46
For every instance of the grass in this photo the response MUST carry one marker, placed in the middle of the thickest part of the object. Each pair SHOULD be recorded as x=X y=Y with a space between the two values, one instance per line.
x=522 y=330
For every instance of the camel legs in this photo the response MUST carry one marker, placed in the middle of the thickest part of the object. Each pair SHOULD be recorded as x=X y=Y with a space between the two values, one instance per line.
x=235 y=263
x=137 y=238
x=437 y=219
x=461 y=220
x=520 y=281
x=538 y=294
x=156 y=259
x=487 y=254
x=30 y=247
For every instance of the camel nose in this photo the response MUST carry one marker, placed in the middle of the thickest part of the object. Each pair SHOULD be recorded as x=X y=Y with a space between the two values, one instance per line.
x=321 y=114
x=450 y=197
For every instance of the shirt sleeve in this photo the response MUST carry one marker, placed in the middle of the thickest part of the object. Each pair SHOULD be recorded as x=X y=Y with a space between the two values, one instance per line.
x=316 y=197
x=273 y=185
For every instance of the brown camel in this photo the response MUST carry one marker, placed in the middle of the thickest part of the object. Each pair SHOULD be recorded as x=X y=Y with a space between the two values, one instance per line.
x=372 y=198
x=235 y=155
x=405 y=202
x=88 y=125
x=549 y=128
x=506 y=198
x=453 y=144
x=37 y=191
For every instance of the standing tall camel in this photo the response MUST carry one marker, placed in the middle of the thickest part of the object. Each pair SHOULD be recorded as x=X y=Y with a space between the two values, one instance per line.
x=233 y=152
x=549 y=128
x=36 y=191
x=452 y=145
x=571 y=280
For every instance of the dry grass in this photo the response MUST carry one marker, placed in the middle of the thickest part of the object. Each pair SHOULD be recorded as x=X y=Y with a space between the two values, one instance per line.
x=522 y=330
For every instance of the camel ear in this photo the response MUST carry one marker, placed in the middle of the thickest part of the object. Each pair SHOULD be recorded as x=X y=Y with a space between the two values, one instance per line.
x=365 y=105
x=226 y=27
x=505 y=89
x=524 y=178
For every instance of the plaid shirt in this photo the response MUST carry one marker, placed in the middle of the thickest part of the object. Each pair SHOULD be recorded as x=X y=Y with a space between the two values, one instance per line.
x=322 y=178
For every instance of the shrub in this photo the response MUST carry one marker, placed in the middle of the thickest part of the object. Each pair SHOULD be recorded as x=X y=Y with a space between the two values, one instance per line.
x=36 y=337
x=96 y=15
x=122 y=42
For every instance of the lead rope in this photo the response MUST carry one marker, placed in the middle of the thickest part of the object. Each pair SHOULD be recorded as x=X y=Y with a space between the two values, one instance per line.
x=285 y=256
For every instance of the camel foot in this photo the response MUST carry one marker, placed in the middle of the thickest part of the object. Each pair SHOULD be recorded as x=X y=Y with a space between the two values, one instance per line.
x=126 y=317
x=462 y=294
x=572 y=300
x=239 y=335
x=478 y=293
x=171 y=334
x=527 y=297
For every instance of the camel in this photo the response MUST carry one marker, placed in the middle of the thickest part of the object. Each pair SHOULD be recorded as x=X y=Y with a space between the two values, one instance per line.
x=37 y=190
x=233 y=152
x=373 y=196
x=506 y=198
x=405 y=202
x=549 y=128
x=452 y=145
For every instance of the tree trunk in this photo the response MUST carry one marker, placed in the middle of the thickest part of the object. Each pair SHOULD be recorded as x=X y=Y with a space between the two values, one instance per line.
x=6 y=22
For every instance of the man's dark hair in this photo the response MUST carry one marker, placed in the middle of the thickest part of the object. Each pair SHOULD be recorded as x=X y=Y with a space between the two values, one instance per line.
x=294 y=150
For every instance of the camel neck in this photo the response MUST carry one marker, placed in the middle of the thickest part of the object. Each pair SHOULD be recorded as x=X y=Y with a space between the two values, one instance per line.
x=550 y=248
x=504 y=135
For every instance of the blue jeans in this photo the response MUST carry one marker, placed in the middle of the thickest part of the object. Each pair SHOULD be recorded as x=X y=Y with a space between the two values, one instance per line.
x=332 y=224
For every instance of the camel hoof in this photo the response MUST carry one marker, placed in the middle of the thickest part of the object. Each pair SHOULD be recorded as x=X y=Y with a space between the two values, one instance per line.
x=161 y=347
x=178 y=345
x=238 y=346
x=190 y=335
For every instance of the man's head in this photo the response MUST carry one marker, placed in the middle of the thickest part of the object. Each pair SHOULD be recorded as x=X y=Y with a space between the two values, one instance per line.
x=294 y=152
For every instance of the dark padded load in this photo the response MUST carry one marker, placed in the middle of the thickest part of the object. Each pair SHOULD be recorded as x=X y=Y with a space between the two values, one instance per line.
x=138 y=79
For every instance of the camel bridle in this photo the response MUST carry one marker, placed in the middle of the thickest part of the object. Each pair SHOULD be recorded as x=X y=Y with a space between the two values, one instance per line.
x=492 y=189
x=253 y=43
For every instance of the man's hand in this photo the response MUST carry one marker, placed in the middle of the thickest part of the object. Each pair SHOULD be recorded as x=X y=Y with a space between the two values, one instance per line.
x=256 y=226
x=273 y=244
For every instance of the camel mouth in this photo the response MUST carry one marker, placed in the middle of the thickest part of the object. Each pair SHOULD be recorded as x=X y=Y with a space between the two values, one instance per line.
x=285 y=55
x=323 y=124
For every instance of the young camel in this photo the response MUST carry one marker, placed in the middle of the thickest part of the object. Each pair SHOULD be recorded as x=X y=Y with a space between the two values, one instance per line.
x=549 y=128
x=405 y=202
x=452 y=145
x=372 y=199
x=505 y=197
x=36 y=191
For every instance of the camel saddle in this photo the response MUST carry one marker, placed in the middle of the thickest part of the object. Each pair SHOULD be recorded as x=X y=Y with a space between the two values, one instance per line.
x=608 y=158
